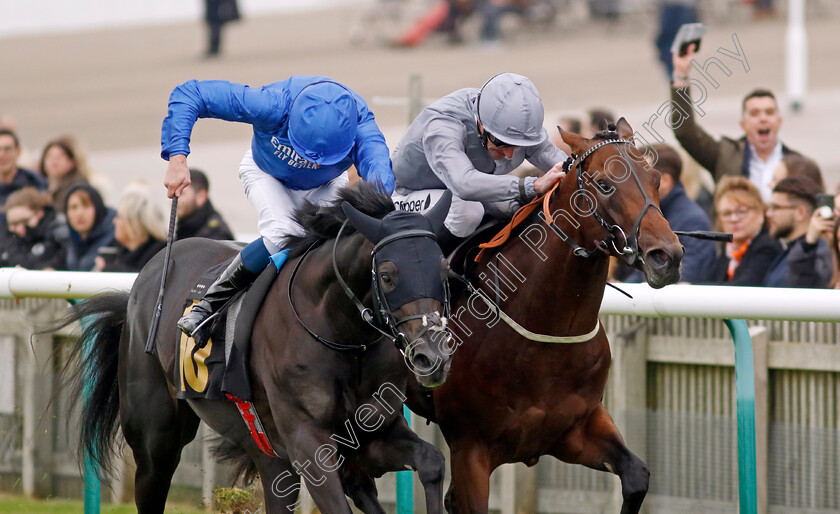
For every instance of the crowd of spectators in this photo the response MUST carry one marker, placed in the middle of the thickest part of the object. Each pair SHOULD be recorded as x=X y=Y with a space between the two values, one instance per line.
x=55 y=218
x=764 y=193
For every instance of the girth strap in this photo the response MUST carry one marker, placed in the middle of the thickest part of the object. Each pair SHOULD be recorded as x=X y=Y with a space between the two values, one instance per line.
x=255 y=426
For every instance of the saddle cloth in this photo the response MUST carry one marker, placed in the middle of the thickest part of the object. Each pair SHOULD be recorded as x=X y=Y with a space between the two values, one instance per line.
x=221 y=367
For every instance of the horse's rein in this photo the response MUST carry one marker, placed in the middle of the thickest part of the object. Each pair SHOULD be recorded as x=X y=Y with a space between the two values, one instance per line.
x=433 y=321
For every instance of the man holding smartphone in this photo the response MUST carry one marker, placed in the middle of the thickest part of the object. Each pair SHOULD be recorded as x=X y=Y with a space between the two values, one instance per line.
x=754 y=155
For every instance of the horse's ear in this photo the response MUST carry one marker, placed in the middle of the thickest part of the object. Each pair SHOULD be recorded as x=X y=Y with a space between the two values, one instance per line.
x=623 y=129
x=367 y=225
x=437 y=214
x=576 y=142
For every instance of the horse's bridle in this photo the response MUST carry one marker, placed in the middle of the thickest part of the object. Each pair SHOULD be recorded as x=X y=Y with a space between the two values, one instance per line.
x=382 y=314
x=380 y=317
x=630 y=245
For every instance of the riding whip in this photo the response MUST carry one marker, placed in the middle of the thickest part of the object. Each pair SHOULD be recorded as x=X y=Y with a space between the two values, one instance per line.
x=153 y=328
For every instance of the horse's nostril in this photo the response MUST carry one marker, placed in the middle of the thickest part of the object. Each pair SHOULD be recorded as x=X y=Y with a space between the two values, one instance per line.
x=421 y=362
x=658 y=258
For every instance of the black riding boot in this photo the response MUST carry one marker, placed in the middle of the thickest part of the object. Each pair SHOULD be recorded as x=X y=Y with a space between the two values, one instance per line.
x=233 y=279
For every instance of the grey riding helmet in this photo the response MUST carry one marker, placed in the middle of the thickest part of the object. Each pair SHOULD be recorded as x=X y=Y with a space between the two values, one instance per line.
x=510 y=108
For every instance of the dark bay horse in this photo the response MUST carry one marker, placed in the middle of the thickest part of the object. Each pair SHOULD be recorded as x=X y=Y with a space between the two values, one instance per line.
x=515 y=394
x=331 y=409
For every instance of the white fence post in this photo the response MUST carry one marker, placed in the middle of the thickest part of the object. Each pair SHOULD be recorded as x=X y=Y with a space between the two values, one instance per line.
x=37 y=421
x=519 y=489
x=122 y=487
x=627 y=392
x=760 y=339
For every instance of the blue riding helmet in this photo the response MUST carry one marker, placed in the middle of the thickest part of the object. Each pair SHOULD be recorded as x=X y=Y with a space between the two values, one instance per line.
x=322 y=123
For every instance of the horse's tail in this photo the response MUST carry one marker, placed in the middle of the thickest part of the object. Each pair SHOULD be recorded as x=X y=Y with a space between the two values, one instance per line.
x=90 y=373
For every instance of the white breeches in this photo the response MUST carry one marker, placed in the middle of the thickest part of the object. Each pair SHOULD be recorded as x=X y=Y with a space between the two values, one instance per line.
x=463 y=218
x=275 y=203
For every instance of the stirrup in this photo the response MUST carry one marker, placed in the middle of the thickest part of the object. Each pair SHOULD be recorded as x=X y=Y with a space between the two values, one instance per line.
x=199 y=329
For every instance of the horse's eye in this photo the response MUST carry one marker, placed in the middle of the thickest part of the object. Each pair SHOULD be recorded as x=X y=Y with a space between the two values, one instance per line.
x=389 y=276
x=604 y=187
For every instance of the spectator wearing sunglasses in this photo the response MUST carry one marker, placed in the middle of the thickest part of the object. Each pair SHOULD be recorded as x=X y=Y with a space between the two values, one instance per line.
x=468 y=142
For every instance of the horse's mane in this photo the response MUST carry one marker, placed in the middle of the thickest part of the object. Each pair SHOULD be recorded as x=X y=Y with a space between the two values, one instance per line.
x=609 y=133
x=321 y=222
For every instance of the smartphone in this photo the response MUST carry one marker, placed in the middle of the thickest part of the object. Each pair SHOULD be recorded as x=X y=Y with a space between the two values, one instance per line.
x=689 y=34
x=825 y=205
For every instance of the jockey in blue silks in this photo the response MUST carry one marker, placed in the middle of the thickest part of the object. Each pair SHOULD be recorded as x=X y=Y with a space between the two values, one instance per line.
x=307 y=132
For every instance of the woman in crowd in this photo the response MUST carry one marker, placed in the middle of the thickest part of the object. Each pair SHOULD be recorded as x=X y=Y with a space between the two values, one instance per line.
x=91 y=226
x=64 y=166
x=37 y=236
x=139 y=230
x=740 y=212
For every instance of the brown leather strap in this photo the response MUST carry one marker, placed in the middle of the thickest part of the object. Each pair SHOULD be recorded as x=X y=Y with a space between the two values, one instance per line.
x=519 y=216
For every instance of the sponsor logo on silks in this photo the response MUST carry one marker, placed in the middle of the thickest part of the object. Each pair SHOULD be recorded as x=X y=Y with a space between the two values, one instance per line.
x=414 y=205
x=290 y=156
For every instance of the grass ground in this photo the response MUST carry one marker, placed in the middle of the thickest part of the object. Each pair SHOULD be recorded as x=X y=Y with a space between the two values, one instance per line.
x=14 y=504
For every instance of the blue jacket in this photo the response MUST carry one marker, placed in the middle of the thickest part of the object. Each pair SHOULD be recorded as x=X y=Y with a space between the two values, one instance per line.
x=267 y=109
x=81 y=253
x=801 y=264
x=683 y=213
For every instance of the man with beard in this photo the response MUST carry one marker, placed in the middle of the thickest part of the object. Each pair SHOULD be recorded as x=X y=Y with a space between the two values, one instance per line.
x=805 y=260
x=755 y=155
x=196 y=215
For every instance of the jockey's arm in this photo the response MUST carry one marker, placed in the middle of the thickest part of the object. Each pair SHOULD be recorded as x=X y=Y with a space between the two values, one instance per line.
x=210 y=99
x=372 y=159
x=218 y=99
x=445 y=153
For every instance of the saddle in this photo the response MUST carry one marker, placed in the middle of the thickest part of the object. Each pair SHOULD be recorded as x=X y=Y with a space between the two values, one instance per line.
x=221 y=367
x=462 y=258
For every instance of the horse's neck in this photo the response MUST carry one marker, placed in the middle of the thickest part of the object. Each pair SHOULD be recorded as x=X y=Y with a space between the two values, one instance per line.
x=527 y=273
x=353 y=263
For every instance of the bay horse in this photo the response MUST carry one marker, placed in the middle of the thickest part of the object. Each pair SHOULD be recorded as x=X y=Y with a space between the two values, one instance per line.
x=515 y=394
x=327 y=386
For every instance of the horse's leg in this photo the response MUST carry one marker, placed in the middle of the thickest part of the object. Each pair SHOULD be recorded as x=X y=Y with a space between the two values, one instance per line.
x=156 y=426
x=599 y=445
x=399 y=447
x=156 y=435
x=323 y=479
x=281 y=484
x=361 y=488
x=469 y=490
